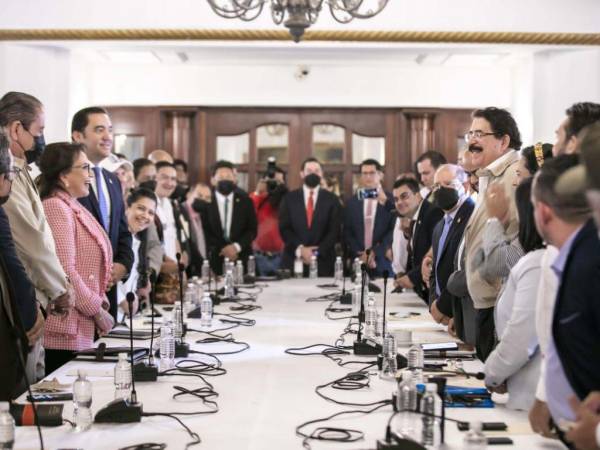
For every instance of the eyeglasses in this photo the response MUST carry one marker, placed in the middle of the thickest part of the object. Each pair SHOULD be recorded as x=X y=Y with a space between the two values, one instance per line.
x=477 y=134
x=12 y=173
x=86 y=167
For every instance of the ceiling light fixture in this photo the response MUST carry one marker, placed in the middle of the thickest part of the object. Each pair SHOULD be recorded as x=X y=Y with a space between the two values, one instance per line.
x=298 y=15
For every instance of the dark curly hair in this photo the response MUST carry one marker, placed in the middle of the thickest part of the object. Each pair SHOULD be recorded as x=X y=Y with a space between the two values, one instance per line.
x=502 y=123
x=57 y=159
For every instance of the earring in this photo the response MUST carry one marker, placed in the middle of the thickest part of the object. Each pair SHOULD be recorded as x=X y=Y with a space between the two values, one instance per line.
x=67 y=185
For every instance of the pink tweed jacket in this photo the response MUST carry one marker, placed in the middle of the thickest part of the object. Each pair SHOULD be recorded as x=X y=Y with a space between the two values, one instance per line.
x=84 y=251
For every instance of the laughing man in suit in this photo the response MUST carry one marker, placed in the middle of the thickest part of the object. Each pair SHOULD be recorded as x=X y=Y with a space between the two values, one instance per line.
x=92 y=127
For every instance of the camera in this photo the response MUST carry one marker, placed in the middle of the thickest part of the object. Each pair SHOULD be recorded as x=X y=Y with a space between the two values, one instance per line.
x=367 y=193
x=270 y=176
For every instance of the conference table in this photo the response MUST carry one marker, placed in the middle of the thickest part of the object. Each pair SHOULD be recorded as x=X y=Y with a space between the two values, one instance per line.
x=266 y=393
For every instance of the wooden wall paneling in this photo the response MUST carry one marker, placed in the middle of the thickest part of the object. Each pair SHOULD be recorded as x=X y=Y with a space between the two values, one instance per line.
x=197 y=162
x=450 y=126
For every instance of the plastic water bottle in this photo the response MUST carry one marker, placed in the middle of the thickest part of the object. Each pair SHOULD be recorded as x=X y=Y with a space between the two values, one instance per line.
x=205 y=272
x=475 y=439
x=431 y=407
x=379 y=333
x=251 y=266
x=206 y=308
x=167 y=347
x=339 y=270
x=356 y=298
x=416 y=362
x=370 y=318
x=228 y=289
x=225 y=265
x=406 y=403
x=314 y=269
x=82 y=402
x=177 y=324
x=123 y=377
x=239 y=273
x=357 y=269
x=7 y=427
x=189 y=298
x=389 y=364
x=298 y=268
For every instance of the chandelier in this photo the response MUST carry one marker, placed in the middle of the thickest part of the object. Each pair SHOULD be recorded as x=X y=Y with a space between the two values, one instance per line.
x=298 y=15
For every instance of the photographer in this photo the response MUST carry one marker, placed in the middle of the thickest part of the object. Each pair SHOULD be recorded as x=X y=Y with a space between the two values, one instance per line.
x=369 y=220
x=268 y=244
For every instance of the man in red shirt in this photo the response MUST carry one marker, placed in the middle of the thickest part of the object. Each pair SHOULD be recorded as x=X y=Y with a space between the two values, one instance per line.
x=268 y=244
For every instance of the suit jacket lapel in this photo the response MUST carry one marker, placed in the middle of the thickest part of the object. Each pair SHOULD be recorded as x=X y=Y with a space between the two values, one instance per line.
x=215 y=216
x=235 y=216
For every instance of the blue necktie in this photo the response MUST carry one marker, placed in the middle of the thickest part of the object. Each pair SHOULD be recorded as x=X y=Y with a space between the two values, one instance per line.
x=101 y=199
x=447 y=225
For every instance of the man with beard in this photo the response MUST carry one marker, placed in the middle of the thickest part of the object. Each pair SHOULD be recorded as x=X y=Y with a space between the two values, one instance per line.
x=229 y=221
x=494 y=141
x=268 y=245
x=585 y=432
x=309 y=222
x=22 y=116
x=578 y=117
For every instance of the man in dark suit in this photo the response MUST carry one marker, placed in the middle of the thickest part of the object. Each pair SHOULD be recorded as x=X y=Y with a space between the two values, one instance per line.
x=369 y=219
x=229 y=220
x=450 y=196
x=425 y=217
x=93 y=128
x=573 y=354
x=309 y=222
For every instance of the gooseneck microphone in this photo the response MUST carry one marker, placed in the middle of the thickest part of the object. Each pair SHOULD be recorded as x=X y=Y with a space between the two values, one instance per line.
x=364 y=346
x=345 y=297
x=121 y=410
x=147 y=371
x=180 y=270
x=130 y=299
x=386 y=274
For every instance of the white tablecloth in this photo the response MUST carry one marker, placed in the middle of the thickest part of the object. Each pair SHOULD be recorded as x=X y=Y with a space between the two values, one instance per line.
x=265 y=393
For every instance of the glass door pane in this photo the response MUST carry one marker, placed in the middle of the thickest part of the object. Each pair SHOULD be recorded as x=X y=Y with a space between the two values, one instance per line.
x=272 y=140
x=328 y=143
x=364 y=147
x=234 y=148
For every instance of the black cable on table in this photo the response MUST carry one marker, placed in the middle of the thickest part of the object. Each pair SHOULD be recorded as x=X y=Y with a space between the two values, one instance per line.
x=352 y=381
x=193 y=435
x=334 y=434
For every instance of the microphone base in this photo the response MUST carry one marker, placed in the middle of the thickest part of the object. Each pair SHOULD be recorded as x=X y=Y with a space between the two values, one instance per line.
x=398 y=443
x=119 y=411
x=346 y=299
x=182 y=349
x=366 y=347
x=145 y=372
x=401 y=361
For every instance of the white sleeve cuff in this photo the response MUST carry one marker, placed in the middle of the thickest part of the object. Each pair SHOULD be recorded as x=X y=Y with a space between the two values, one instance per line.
x=540 y=392
x=238 y=247
x=598 y=435
x=298 y=251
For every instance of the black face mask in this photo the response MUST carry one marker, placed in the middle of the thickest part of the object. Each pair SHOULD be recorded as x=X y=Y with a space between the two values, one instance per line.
x=39 y=144
x=225 y=187
x=179 y=192
x=3 y=199
x=312 y=180
x=445 y=198
x=199 y=205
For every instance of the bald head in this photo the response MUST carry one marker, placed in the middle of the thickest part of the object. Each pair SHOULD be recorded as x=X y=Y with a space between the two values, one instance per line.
x=160 y=155
x=447 y=173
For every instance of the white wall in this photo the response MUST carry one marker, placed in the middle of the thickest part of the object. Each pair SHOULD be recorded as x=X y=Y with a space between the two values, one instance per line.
x=537 y=88
x=561 y=79
x=44 y=73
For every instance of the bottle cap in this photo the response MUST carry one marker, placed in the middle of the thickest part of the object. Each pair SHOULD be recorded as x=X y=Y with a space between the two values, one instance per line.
x=4 y=406
x=122 y=356
x=81 y=373
x=431 y=387
x=476 y=426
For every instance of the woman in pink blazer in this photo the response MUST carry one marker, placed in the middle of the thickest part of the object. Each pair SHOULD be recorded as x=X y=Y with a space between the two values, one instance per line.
x=83 y=249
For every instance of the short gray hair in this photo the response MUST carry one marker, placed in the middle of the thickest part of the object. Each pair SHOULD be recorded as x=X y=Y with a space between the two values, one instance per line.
x=459 y=172
x=19 y=106
x=5 y=161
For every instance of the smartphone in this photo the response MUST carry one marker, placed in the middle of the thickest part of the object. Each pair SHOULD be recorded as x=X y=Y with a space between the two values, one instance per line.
x=440 y=346
x=51 y=397
x=500 y=441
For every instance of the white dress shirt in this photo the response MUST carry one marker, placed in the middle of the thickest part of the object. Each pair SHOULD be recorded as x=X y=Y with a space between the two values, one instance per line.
x=399 y=249
x=164 y=210
x=306 y=191
x=225 y=221
x=547 y=290
x=516 y=359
